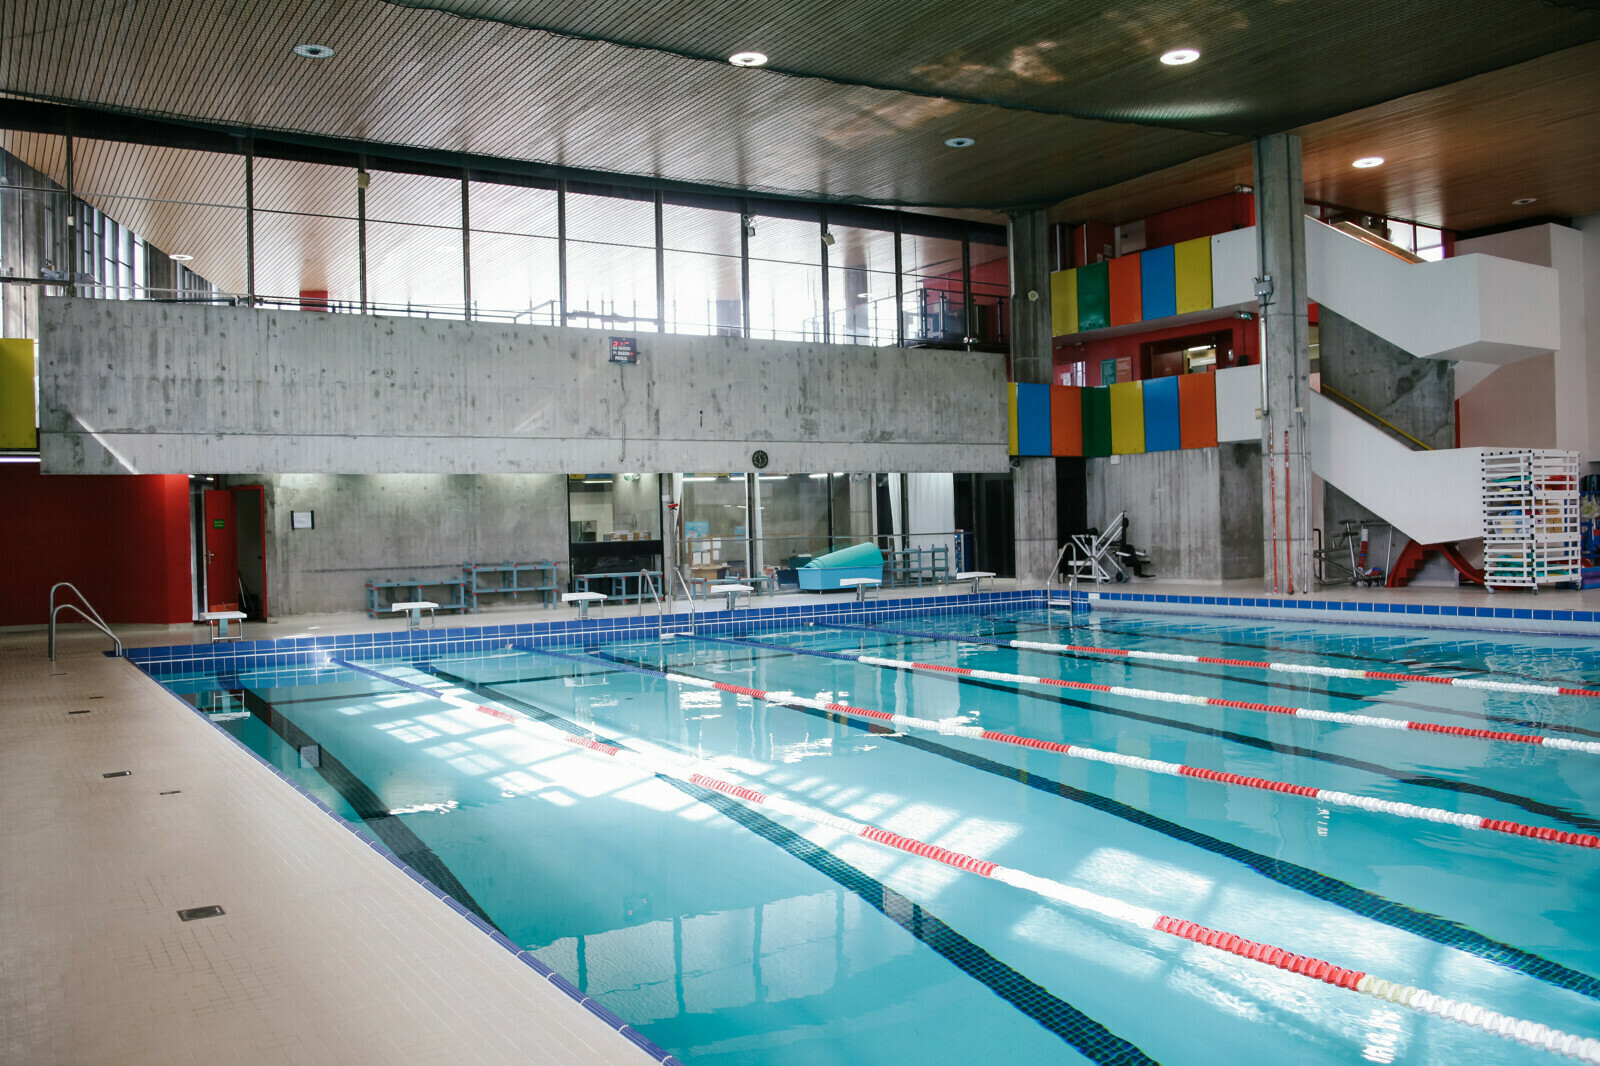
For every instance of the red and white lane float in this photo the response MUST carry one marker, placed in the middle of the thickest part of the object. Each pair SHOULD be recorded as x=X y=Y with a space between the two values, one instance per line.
x=1529 y=1033
x=1302 y=668
x=1371 y=721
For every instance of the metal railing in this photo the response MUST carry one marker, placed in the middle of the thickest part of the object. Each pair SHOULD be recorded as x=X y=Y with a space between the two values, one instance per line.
x=1372 y=416
x=694 y=614
x=1072 y=589
x=93 y=617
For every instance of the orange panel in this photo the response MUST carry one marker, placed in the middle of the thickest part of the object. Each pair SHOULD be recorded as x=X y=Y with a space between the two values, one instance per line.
x=1197 y=410
x=1127 y=299
x=1066 y=420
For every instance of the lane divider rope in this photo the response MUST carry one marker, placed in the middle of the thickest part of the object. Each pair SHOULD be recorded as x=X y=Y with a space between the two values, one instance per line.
x=1370 y=804
x=1253 y=664
x=1336 y=717
x=1528 y=1033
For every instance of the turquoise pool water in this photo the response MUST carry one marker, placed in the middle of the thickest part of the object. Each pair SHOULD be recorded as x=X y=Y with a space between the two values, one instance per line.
x=731 y=934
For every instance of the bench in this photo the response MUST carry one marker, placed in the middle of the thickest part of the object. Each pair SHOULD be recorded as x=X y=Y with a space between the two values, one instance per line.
x=583 y=600
x=414 y=609
x=861 y=585
x=976 y=576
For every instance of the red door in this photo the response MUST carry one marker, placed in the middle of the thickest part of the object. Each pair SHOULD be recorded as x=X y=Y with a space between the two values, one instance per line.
x=222 y=550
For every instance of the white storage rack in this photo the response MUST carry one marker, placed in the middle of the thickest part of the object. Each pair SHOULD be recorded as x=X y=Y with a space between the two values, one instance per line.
x=1531 y=534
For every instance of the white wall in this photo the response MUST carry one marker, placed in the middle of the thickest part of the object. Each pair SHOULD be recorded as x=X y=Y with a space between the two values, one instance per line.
x=1238 y=400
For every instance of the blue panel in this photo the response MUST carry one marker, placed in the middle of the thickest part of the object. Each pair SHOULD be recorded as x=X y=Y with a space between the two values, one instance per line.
x=1161 y=414
x=1033 y=419
x=1159 y=283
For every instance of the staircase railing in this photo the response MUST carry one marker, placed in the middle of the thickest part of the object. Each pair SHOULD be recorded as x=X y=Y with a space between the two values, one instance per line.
x=92 y=617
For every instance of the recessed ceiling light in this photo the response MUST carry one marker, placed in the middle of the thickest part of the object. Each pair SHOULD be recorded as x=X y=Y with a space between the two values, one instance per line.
x=1524 y=201
x=748 y=59
x=313 y=51
x=1179 y=56
x=1367 y=162
x=960 y=142
x=180 y=258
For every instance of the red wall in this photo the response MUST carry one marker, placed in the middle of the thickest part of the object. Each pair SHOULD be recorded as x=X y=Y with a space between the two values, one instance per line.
x=1234 y=210
x=1246 y=343
x=123 y=539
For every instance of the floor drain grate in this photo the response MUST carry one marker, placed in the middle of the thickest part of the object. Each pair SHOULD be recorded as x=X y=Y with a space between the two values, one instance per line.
x=200 y=912
x=174 y=792
x=119 y=773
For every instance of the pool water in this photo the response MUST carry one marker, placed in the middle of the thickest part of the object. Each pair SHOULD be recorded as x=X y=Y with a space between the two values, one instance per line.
x=728 y=933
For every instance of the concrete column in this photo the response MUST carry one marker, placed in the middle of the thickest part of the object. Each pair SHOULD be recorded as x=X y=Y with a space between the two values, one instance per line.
x=1033 y=479
x=1286 y=363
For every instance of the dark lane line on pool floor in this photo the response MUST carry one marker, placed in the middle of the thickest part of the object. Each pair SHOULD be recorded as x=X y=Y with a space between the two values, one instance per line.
x=1565 y=815
x=1314 y=883
x=1110 y=658
x=1019 y=627
x=1090 y=1038
x=374 y=813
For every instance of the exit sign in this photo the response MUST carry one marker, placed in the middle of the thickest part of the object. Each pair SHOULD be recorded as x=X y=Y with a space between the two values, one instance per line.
x=216 y=523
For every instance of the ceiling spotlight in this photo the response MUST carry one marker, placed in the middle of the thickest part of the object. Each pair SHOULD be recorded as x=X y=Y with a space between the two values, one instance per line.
x=960 y=142
x=1367 y=162
x=748 y=59
x=313 y=51
x=180 y=258
x=1179 y=56
x=1524 y=201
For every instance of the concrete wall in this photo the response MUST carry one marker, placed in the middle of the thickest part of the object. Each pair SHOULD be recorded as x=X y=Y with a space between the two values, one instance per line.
x=1417 y=395
x=132 y=386
x=1195 y=512
x=400 y=526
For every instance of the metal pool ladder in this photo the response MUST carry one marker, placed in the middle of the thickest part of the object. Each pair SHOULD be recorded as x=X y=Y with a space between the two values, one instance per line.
x=1072 y=589
x=646 y=581
x=93 y=617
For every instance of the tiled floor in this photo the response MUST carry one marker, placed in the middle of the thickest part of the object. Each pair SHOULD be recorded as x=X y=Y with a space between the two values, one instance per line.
x=326 y=953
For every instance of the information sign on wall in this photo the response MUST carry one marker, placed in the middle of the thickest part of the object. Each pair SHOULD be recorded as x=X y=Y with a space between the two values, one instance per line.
x=624 y=350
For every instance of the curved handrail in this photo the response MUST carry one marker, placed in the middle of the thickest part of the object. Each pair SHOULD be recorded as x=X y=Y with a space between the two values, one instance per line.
x=95 y=621
x=694 y=615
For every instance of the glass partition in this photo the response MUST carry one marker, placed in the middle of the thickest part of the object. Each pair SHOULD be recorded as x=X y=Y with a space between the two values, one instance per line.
x=307 y=236
x=715 y=516
x=786 y=279
x=414 y=246
x=615 y=524
x=515 y=253
x=703 y=274
x=611 y=262
x=934 y=291
x=861 y=301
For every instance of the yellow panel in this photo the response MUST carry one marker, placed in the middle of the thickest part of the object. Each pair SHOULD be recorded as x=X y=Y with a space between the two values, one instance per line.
x=1011 y=415
x=1192 y=260
x=1064 y=301
x=16 y=395
x=1127 y=418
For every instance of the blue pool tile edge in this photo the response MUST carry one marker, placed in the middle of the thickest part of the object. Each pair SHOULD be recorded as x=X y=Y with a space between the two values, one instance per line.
x=1362 y=612
x=527 y=958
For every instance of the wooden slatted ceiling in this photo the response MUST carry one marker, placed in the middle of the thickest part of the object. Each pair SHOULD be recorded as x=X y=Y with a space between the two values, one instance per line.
x=1454 y=157
x=424 y=78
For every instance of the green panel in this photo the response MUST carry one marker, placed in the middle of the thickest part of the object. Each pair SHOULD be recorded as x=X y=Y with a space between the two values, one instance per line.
x=1096 y=422
x=1094 y=296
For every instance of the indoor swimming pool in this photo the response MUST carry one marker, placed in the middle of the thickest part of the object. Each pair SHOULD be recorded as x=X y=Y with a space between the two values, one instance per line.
x=917 y=842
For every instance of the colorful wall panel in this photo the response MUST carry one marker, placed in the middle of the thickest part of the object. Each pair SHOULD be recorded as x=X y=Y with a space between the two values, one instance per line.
x=1158 y=284
x=1126 y=299
x=1127 y=417
x=1094 y=296
x=1066 y=420
x=1192 y=275
x=1011 y=418
x=16 y=395
x=1197 y=410
x=1096 y=422
x=1063 y=302
x=1033 y=419
x=1161 y=413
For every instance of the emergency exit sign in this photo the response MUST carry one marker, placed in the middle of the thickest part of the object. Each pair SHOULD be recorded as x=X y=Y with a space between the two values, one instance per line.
x=216 y=523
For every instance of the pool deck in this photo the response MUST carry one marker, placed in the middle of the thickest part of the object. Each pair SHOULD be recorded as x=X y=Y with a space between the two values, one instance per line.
x=326 y=952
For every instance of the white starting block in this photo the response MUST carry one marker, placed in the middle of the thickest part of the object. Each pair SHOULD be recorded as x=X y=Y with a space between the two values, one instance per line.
x=976 y=577
x=583 y=600
x=414 y=609
x=861 y=585
x=217 y=623
x=732 y=592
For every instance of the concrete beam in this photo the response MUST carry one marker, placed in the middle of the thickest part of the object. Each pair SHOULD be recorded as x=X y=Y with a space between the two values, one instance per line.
x=183 y=388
